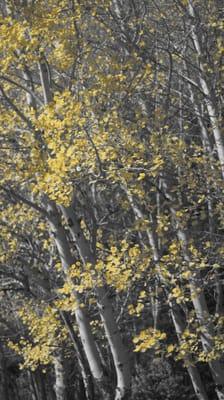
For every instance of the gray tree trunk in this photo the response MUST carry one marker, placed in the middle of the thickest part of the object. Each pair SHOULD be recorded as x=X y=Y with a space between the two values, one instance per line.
x=178 y=324
x=59 y=386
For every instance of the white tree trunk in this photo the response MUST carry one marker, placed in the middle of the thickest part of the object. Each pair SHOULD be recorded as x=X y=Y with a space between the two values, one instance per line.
x=178 y=324
x=118 y=350
x=59 y=386
x=209 y=101
x=192 y=369
x=83 y=365
x=201 y=310
x=67 y=260
x=45 y=81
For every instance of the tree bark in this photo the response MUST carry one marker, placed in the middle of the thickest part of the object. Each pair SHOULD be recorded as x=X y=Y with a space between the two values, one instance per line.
x=3 y=376
x=119 y=352
x=209 y=100
x=67 y=260
x=59 y=386
x=178 y=324
x=201 y=310
x=45 y=81
x=189 y=364
x=84 y=367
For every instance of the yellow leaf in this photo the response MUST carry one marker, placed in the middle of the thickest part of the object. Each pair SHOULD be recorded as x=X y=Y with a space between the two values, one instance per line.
x=170 y=348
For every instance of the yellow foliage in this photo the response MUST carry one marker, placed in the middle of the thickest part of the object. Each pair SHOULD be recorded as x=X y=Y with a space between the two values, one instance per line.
x=45 y=332
x=147 y=339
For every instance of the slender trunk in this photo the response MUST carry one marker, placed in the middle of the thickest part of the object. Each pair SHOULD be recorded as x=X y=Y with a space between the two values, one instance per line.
x=208 y=151
x=192 y=369
x=15 y=391
x=45 y=81
x=209 y=100
x=39 y=378
x=33 y=387
x=178 y=324
x=67 y=260
x=201 y=310
x=84 y=367
x=3 y=376
x=204 y=133
x=31 y=102
x=50 y=388
x=119 y=353
x=219 y=309
x=59 y=387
